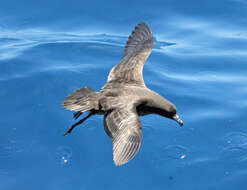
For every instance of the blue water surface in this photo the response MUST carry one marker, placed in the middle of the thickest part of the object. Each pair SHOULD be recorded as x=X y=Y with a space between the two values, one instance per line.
x=49 y=49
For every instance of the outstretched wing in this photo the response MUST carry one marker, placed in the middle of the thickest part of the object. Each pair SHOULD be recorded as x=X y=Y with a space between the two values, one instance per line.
x=124 y=128
x=136 y=52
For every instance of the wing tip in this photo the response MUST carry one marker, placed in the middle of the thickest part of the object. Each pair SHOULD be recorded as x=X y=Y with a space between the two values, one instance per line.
x=126 y=154
x=139 y=36
x=119 y=162
x=142 y=23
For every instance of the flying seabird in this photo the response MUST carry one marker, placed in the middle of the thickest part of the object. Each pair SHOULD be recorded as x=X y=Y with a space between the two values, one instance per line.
x=124 y=98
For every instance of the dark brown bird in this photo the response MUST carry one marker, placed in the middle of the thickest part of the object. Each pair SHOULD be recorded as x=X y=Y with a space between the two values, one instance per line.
x=124 y=98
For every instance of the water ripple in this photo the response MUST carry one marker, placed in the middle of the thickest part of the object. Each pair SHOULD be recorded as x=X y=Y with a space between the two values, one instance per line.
x=63 y=155
x=205 y=77
x=176 y=151
x=234 y=147
x=12 y=148
x=15 y=145
x=235 y=139
x=162 y=158
x=234 y=154
x=13 y=43
x=148 y=130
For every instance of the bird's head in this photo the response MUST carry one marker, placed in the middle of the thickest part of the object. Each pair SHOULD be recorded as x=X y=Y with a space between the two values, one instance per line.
x=164 y=108
x=172 y=114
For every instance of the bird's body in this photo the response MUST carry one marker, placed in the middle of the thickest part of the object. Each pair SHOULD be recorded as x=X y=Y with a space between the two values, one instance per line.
x=123 y=98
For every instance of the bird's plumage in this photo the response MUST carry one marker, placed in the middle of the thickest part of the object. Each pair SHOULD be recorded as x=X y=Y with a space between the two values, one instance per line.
x=80 y=100
x=136 y=52
x=124 y=98
x=122 y=123
x=124 y=127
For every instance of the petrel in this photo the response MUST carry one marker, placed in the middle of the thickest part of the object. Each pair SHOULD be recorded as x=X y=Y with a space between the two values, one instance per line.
x=124 y=98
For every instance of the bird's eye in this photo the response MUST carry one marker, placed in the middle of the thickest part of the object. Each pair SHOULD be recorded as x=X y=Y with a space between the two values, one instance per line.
x=174 y=111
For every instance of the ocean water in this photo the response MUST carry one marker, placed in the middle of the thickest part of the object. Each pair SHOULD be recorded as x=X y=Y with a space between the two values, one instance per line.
x=49 y=49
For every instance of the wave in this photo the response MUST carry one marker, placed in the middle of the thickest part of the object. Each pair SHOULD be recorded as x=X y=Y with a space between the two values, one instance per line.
x=13 y=43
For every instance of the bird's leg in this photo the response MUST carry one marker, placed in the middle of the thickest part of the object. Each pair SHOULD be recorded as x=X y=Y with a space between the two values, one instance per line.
x=79 y=122
x=77 y=114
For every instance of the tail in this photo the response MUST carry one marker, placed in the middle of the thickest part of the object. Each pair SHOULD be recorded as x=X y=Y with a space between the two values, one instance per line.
x=83 y=100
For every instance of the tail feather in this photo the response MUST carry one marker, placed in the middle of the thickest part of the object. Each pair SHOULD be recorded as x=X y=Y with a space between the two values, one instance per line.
x=83 y=100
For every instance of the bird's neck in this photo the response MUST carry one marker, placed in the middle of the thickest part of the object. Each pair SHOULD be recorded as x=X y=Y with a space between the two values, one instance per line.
x=155 y=104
